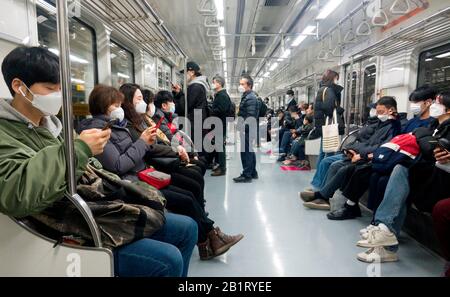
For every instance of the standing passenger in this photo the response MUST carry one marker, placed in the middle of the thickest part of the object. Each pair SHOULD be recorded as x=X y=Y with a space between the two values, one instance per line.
x=248 y=112
x=221 y=107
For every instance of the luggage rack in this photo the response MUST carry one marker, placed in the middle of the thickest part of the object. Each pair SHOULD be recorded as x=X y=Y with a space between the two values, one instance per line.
x=433 y=29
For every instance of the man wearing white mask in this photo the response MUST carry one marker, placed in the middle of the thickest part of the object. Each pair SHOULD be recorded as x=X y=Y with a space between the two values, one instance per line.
x=197 y=90
x=420 y=102
x=248 y=111
x=221 y=108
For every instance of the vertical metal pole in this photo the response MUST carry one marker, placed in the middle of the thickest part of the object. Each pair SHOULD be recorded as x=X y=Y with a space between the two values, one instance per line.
x=349 y=95
x=66 y=86
x=185 y=87
x=67 y=116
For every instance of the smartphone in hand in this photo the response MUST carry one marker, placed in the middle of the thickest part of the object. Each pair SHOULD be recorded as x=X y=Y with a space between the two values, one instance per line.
x=109 y=125
x=158 y=125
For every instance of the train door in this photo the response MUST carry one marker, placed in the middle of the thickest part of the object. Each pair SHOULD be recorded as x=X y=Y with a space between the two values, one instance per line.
x=360 y=90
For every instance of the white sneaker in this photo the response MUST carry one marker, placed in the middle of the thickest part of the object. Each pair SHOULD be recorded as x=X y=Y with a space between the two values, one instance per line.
x=378 y=255
x=378 y=237
x=365 y=232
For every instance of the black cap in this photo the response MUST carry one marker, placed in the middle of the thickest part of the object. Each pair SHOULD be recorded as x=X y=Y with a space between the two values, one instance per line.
x=191 y=66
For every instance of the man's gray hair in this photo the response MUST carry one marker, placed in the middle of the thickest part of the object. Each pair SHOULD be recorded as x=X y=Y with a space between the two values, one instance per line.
x=220 y=80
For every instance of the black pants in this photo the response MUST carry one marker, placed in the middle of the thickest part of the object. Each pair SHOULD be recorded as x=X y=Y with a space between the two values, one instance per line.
x=183 y=202
x=358 y=183
x=248 y=156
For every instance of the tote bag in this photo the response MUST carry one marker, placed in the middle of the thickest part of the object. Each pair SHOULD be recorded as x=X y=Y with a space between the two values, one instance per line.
x=330 y=133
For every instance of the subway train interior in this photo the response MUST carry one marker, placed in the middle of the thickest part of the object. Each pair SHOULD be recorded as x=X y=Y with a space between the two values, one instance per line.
x=328 y=154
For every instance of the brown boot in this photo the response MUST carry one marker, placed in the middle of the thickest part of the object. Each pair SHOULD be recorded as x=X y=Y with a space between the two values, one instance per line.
x=221 y=242
x=205 y=251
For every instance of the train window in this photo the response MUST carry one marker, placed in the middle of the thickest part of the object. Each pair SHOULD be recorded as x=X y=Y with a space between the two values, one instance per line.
x=122 y=65
x=434 y=68
x=369 y=85
x=82 y=52
x=164 y=75
x=310 y=94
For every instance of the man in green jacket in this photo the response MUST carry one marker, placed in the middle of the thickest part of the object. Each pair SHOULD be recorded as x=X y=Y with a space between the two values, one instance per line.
x=33 y=163
x=221 y=108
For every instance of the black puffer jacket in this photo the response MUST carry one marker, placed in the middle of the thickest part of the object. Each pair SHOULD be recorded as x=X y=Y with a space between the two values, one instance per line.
x=121 y=155
x=373 y=136
x=429 y=184
x=249 y=107
x=327 y=100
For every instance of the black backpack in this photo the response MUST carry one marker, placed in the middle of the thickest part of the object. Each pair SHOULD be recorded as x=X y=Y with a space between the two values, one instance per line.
x=232 y=110
x=262 y=107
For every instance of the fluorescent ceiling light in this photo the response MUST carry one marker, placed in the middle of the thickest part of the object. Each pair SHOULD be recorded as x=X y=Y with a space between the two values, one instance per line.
x=224 y=54
x=222 y=36
x=273 y=67
x=428 y=60
x=78 y=81
x=267 y=74
x=220 y=10
x=225 y=67
x=123 y=75
x=396 y=69
x=301 y=38
x=47 y=6
x=72 y=57
x=328 y=9
x=443 y=55
x=286 y=54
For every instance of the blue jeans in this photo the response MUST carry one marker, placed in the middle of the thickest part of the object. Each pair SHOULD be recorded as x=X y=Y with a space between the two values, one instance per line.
x=393 y=210
x=323 y=166
x=165 y=254
x=298 y=150
x=286 y=141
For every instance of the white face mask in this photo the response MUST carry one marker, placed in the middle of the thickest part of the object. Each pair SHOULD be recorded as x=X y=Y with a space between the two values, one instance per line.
x=303 y=112
x=436 y=110
x=118 y=114
x=241 y=89
x=383 y=117
x=373 y=113
x=141 y=107
x=416 y=108
x=213 y=87
x=172 y=108
x=151 y=109
x=48 y=104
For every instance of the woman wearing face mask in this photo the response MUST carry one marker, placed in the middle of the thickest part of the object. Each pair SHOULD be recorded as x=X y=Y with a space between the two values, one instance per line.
x=120 y=156
x=327 y=101
x=138 y=120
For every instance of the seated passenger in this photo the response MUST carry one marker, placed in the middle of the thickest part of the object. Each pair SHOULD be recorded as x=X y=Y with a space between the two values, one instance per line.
x=297 y=155
x=421 y=102
x=424 y=185
x=357 y=155
x=126 y=158
x=441 y=220
x=33 y=164
x=289 y=135
x=363 y=135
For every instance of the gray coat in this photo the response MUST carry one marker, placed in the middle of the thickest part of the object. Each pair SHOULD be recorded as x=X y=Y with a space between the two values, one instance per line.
x=120 y=156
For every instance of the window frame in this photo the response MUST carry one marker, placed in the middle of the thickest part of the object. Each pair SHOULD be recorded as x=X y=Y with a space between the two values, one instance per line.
x=133 y=70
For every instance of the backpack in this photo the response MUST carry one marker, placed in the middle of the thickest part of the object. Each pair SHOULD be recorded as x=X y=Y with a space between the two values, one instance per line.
x=262 y=107
x=232 y=110
x=402 y=149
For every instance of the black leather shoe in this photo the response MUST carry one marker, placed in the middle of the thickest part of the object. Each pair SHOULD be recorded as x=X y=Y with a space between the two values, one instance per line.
x=242 y=179
x=255 y=176
x=346 y=213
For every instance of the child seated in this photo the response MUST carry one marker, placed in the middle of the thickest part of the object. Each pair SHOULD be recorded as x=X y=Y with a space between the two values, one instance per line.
x=297 y=155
